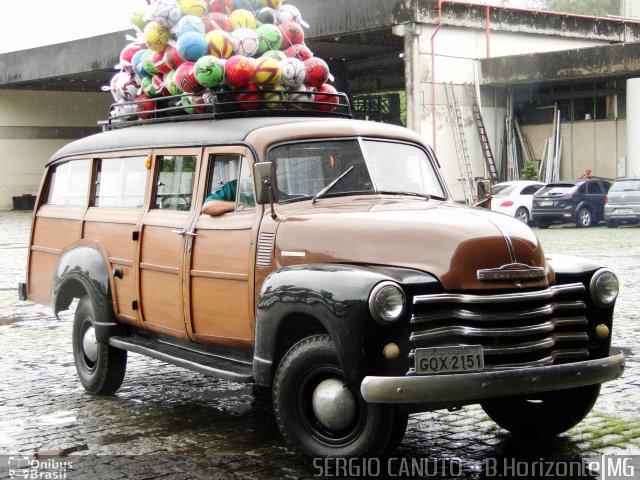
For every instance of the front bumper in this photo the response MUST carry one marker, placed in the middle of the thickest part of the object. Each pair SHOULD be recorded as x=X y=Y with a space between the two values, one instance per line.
x=466 y=387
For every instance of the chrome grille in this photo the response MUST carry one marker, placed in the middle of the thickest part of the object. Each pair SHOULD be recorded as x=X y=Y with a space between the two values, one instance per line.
x=515 y=329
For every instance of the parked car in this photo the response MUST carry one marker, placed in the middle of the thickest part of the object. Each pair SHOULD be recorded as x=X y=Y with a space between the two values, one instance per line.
x=514 y=198
x=570 y=201
x=622 y=203
x=340 y=275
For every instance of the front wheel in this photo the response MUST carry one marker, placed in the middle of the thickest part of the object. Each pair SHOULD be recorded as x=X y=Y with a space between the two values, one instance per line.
x=319 y=414
x=101 y=367
x=548 y=413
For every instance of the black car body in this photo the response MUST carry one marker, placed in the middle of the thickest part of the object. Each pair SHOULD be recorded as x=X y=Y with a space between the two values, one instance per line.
x=570 y=201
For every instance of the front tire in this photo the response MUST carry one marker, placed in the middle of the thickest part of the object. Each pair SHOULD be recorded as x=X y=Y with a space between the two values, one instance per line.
x=319 y=414
x=101 y=367
x=544 y=414
x=522 y=214
x=584 y=218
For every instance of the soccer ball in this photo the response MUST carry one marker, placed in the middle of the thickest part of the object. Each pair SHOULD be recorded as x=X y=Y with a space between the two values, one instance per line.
x=243 y=19
x=277 y=54
x=217 y=21
x=267 y=15
x=275 y=95
x=321 y=96
x=245 y=42
x=170 y=83
x=251 y=5
x=127 y=55
x=144 y=104
x=292 y=34
x=138 y=18
x=250 y=93
x=171 y=58
x=301 y=94
x=123 y=86
x=270 y=38
x=293 y=72
x=301 y=52
x=192 y=46
x=156 y=36
x=275 y=4
x=221 y=6
x=186 y=78
x=266 y=71
x=238 y=71
x=165 y=12
x=289 y=13
x=198 y=8
x=150 y=59
x=124 y=111
x=220 y=43
x=189 y=23
x=317 y=72
x=159 y=86
x=136 y=63
x=209 y=71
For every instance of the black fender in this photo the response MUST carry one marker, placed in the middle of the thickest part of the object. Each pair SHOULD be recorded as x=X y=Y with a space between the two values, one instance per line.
x=83 y=270
x=335 y=296
x=590 y=206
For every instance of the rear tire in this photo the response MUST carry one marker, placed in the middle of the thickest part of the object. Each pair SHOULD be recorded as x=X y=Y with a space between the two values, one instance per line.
x=612 y=224
x=584 y=218
x=544 y=414
x=101 y=367
x=543 y=223
x=319 y=414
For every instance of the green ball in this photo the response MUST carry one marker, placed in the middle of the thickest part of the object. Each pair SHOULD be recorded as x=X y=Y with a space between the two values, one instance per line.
x=270 y=38
x=170 y=82
x=137 y=18
x=148 y=62
x=277 y=54
x=209 y=71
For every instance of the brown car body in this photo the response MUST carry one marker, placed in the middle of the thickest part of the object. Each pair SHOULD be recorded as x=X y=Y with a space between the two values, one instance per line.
x=254 y=294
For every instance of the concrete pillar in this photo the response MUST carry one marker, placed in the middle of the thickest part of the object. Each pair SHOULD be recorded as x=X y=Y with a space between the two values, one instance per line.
x=633 y=127
x=412 y=32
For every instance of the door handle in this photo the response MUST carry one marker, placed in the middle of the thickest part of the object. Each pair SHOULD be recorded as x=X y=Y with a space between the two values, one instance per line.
x=184 y=233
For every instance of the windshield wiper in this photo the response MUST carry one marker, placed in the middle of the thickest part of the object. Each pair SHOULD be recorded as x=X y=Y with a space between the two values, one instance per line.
x=331 y=185
x=426 y=196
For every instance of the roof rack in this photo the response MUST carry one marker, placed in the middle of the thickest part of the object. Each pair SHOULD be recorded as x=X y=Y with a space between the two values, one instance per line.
x=225 y=104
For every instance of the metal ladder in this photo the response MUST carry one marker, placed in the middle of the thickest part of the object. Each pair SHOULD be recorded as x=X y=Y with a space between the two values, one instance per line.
x=482 y=133
x=462 y=150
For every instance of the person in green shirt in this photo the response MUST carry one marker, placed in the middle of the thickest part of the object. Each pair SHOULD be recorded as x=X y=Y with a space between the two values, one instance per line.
x=221 y=201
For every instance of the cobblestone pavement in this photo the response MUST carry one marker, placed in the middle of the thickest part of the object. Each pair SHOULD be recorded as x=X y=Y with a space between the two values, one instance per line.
x=170 y=423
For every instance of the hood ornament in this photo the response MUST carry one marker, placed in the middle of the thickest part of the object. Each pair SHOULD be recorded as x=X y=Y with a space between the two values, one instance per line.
x=512 y=272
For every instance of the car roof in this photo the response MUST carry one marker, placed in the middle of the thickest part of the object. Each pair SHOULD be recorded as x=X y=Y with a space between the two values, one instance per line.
x=227 y=132
x=520 y=182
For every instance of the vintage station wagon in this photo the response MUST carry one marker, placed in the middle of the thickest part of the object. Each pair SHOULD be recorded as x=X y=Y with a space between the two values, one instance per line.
x=346 y=279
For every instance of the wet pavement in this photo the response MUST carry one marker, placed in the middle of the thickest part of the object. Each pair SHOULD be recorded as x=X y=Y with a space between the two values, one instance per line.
x=166 y=422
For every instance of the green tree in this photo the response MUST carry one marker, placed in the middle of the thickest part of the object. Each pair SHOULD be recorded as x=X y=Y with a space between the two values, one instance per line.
x=599 y=8
x=529 y=172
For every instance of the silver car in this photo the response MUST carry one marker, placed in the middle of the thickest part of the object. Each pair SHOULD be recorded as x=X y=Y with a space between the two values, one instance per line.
x=622 y=204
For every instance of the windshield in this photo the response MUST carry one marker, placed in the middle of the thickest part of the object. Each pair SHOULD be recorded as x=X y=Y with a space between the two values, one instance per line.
x=305 y=169
x=626 y=186
x=554 y=190
x=502 y=190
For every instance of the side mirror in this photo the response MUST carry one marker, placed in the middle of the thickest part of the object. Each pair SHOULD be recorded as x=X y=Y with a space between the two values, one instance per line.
x=483 y=192
x=265 y=178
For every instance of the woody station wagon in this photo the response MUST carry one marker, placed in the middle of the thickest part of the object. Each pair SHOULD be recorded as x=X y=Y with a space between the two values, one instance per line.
x=346 y=279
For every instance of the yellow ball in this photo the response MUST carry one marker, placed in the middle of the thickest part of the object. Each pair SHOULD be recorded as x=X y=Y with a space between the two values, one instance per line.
x=220 y=44
x=266 y=71
x=243 y=19
x=275 y=4
x=156 y=36
x=276 y=94
x=199 y=8
x=137 y=18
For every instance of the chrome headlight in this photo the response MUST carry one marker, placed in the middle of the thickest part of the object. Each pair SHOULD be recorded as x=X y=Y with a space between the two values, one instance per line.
x=386 y=302
x=604 y=287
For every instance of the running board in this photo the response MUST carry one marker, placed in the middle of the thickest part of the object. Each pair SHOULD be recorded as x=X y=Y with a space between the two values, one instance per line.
x=189 y=359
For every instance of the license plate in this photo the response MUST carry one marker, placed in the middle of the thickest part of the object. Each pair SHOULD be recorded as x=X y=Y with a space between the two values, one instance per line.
x=449 y=359
x=545 y=203
x=623 y=211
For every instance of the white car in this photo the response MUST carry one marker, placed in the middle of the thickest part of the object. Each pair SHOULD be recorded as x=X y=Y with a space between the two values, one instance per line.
x=514 y=198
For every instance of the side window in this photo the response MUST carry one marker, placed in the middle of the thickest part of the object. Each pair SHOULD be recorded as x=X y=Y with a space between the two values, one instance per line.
x=530 y=190
x=593 y=188
x=231 y=181
x=174 y=185
x=582 y=189
x=68 y=183
x=120 y=182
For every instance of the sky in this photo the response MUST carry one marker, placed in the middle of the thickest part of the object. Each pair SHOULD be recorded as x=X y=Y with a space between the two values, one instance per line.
x=45 y=22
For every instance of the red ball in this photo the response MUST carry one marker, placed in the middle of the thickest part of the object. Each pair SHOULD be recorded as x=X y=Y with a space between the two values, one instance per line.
x=186 y=78
x=222 y=6
x=301 y=52
x=292 y=34
x=239 y=71
x=172 y=59
x=217 y=21
x=127 y=54
x=317 y=72
x=250 y=93
x=144 y=104
x=322 y=97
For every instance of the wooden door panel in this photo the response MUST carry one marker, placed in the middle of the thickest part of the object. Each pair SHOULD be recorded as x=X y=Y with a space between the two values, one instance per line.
x=228 y=250
x=161 y=303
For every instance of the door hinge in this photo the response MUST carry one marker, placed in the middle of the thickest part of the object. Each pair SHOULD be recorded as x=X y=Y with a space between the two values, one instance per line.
x=135 y=235
x=134 y=305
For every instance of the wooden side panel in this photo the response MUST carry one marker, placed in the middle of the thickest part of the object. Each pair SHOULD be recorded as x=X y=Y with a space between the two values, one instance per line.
x=226 y=250
x=55 y=233
x=41 y=276
x=161 y=302
x=125 y=294
x=161 y=247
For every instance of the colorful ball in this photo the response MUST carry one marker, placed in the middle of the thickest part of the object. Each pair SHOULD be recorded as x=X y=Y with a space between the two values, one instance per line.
x=238 y=71
x=267 y=15
x=251 y=5
x=245 y=42
x=277 y=54
x=138 y=18
x=196 y=103
x=301 y=94
x=302 y=52
x=222 y=6
x=192 y=46
x=144 y=104
x=266 y=71
x=220 y=44
x=199 y=8
x=327 y=94
x=292 y=34
x=186 y=78
x=189 y=23
x=147 y=86
x=165 y=12
x=317 y=72
x=275 y=4
x=243 y=19
x=127 y=54
x=289 y=13
x=293 y=72
x=136 y=63
x=270 y=38
x=171 y=84
x=171 y=58
x=149 y=60
x=158 y=84
x=217 y=21
x=249 y=94
x=123 y=86
x=209 y=71
x=275 y=95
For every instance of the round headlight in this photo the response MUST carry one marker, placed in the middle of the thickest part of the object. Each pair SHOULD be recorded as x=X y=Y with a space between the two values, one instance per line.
x=386 y=302
x=604 y=287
